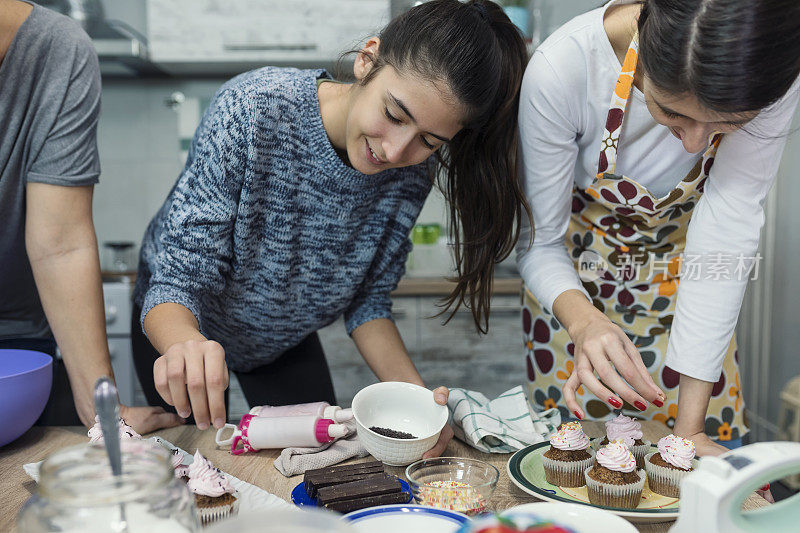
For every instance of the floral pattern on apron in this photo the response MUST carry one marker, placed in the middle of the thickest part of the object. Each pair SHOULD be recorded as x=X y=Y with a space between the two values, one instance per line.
x=640 y=239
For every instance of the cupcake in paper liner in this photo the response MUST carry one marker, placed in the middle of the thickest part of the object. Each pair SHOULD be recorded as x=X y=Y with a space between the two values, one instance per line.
x=569 y=455
x=214 y=496
x=613 y=480
x=623 y=427
x=667 y=467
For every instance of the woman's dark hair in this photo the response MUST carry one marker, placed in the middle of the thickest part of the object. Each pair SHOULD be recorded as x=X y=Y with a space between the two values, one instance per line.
x=732 y=55
x=475 y=49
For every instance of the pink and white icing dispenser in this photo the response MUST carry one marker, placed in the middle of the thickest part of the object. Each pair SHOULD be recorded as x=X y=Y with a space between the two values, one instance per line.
x=259 y=433
x=321 y=409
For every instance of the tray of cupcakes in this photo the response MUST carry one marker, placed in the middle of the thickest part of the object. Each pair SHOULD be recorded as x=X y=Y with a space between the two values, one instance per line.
x=621 y=472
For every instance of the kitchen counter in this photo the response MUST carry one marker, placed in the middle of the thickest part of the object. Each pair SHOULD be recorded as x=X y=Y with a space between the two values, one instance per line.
x=16 y=487
x=407 y=286
x=439 y=286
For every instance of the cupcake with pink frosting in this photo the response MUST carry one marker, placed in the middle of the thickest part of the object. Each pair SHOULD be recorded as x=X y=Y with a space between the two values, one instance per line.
x=125 y=432
x=625 y=427
x=614 y=480
x=569 y=455
x=669 y=465
x=181 y=470
x=214 y=495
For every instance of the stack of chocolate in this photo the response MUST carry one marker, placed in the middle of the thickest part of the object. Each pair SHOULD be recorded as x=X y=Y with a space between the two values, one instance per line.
x=352 y=487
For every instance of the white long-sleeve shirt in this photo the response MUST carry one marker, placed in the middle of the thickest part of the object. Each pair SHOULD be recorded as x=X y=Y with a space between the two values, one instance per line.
x=565 y=98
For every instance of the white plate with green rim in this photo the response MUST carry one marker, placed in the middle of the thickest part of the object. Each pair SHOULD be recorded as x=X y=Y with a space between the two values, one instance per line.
x=526 y=472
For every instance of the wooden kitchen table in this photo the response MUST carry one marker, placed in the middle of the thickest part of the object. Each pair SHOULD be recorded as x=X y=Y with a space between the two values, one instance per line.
x=16 y=487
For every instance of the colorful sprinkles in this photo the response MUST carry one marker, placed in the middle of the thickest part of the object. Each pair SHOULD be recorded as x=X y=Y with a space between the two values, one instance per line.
x=453 y=496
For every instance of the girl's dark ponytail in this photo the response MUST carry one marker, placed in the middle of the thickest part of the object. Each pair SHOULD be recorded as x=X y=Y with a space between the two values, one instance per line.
x=481 y=181
x=479 y=54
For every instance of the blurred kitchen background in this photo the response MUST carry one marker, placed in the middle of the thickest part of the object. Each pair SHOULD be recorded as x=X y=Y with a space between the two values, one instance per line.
x=162 y=60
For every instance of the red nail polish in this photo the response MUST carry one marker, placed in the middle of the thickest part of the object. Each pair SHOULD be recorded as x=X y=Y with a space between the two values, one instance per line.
x=578 y=415
x=616 y=403
x=639 y=405
x=658 y=403
x=765 y=487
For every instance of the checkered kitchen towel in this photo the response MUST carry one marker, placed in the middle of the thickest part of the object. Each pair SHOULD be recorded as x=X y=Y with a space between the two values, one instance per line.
x=503 y=425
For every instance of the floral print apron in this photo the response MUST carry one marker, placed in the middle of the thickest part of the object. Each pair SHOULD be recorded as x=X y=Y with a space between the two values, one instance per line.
x=640 y=239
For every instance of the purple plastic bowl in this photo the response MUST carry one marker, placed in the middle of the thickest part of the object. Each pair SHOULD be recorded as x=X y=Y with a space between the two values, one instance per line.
x=25 y=380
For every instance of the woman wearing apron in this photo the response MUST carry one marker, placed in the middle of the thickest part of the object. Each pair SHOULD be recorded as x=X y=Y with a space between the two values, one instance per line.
x=647 y=211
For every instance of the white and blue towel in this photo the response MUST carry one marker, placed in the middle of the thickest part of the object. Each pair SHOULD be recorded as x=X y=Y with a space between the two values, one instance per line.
x=503 y=425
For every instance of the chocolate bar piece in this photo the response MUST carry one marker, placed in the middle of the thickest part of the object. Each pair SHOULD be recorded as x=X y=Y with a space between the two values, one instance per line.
x=372 y=486
x=317 y=484
x=345 y=468
x=324 y=477
x=346 y=506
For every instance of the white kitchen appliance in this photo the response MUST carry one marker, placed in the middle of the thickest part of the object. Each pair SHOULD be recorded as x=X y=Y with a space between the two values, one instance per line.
x=712 y=495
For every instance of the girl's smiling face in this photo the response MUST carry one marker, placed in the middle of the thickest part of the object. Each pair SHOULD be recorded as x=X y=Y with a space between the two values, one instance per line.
x=687 y=119
x=395 y=119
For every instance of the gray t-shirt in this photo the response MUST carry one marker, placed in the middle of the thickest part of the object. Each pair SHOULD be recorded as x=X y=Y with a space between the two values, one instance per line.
x=49 y=106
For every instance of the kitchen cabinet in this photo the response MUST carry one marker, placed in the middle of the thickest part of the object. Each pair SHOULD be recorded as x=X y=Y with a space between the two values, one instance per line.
x=454 y=355
x=202 y=36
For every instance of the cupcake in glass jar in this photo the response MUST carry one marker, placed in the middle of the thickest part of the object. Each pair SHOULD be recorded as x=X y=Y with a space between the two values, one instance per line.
x=569 y=455
x=614 y=480
x=667 y=467
x=625 y=427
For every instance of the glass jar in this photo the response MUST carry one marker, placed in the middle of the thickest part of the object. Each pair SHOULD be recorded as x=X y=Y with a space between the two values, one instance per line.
x=77 y=492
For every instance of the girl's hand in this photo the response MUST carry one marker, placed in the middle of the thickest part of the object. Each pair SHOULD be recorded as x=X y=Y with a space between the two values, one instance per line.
x=148 y=419
x=440 y=395
x=599 y=344
x=193 y=376
x=703 y=445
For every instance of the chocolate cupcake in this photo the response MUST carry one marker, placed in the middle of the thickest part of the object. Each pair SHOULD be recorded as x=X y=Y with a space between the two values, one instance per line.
x=667 y=467
x=569 y=455
x=214 y=495
x=623 y=427
x=613 y=480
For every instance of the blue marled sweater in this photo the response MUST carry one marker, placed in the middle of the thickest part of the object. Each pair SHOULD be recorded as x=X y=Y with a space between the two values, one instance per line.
x=267 y=235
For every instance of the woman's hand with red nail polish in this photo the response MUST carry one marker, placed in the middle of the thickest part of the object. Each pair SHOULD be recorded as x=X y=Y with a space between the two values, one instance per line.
x=765 y=493
x=604 y=355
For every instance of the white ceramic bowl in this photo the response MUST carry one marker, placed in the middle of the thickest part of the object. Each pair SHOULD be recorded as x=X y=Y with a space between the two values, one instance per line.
x=401 y=407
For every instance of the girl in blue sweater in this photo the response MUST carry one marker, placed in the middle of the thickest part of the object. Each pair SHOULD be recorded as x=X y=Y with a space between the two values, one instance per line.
x=297 y=199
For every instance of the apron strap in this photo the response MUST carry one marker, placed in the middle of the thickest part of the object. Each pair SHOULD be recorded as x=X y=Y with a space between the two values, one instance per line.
x=616 y=111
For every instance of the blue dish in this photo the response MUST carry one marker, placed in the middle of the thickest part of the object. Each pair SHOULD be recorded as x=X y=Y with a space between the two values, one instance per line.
x=301 y=498
x=435 y=516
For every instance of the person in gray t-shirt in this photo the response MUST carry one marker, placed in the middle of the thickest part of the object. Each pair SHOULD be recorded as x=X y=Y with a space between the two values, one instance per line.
x=50 y=287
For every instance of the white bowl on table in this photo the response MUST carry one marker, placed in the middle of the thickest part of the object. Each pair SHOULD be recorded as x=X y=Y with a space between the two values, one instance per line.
x=401 y=407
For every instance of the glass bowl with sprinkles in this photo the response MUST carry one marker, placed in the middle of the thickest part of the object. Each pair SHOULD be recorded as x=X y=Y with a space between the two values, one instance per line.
x=453 y=483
